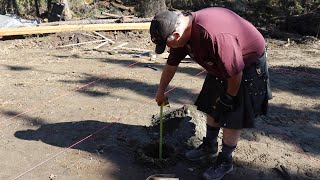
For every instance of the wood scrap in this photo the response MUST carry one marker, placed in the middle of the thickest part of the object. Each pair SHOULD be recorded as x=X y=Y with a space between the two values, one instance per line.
x=121 y=45
x=107 y=39
x=100 y=45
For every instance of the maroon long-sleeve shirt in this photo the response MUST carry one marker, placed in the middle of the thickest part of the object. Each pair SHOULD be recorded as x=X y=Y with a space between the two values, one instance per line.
x=221 y=41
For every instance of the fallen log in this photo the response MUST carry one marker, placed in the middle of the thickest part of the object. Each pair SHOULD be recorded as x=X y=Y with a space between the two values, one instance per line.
x=115 y=15
x=98 y=21
x=305 y=24
x=61 y=28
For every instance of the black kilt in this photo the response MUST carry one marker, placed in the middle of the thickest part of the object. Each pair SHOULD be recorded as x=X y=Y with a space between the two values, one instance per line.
x=250 y=102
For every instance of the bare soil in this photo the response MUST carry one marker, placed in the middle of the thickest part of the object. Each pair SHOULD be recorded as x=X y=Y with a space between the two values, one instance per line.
x=79 y=113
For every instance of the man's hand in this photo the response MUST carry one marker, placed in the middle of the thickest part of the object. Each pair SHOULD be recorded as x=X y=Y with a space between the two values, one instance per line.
x=161 y=98
x=167 y=74
x=224 y=103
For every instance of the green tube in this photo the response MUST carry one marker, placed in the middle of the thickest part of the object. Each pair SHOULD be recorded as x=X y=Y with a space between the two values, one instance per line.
x=161 y=129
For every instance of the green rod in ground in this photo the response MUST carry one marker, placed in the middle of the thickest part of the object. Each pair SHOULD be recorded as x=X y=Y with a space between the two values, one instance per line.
x=161 y=131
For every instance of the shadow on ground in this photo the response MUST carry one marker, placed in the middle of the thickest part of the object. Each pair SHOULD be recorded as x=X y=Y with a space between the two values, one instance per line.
x=158 y=65
x=103 y=86
x=112 y=141
x=117 y=142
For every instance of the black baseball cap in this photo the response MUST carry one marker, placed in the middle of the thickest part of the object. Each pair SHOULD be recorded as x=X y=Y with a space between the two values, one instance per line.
x=162 y=26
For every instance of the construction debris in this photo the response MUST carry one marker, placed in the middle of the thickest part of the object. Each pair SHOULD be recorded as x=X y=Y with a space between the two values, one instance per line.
x=15 y=21
x=105 y=38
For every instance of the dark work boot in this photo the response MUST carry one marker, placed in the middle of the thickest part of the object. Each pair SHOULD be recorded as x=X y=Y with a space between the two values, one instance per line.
x=205 y=151
x=221 y=167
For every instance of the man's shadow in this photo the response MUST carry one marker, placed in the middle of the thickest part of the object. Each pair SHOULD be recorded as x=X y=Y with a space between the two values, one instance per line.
x=67 y=133
x=115 y=142
x=112 y=141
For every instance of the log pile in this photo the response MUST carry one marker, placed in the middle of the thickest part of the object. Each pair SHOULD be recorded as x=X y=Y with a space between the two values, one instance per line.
x=122 y=19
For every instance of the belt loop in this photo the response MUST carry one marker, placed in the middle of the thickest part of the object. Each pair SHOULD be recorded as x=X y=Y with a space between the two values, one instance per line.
x=266 y=51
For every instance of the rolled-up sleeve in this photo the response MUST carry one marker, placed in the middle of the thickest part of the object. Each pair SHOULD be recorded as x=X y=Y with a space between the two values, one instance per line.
x=230 y=53
x=176 y=56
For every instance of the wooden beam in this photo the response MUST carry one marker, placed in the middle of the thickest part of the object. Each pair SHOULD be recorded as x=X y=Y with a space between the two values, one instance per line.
x=61 y=28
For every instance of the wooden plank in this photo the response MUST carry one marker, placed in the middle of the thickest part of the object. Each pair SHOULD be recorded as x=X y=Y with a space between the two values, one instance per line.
x=61 y=28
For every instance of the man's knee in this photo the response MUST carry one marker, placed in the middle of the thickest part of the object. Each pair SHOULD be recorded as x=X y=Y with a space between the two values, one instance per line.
x=211 y=122
x=231 y=136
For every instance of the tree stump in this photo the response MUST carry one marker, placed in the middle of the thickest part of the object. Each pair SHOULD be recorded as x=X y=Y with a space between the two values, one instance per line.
x=149 y=8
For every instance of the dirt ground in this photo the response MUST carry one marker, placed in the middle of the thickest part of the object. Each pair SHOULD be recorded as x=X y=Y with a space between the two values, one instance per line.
x=79 y=113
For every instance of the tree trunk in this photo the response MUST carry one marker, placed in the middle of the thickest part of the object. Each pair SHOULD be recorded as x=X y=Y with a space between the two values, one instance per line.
x=36 y=4
x=306 y=24
x=67 y=13
x=12 y=6
x=149 y=8
x=49 y=5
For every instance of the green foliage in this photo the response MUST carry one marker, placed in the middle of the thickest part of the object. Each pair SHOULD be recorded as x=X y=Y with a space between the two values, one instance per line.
x=82 y=10
x=287 y=7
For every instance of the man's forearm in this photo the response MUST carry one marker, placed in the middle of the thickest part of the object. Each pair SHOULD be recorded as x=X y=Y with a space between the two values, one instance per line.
x=167 y=75
x=234 y=84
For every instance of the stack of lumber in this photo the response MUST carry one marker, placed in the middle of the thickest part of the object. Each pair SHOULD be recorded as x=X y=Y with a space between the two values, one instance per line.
x=80 y=27
x=106 y=22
